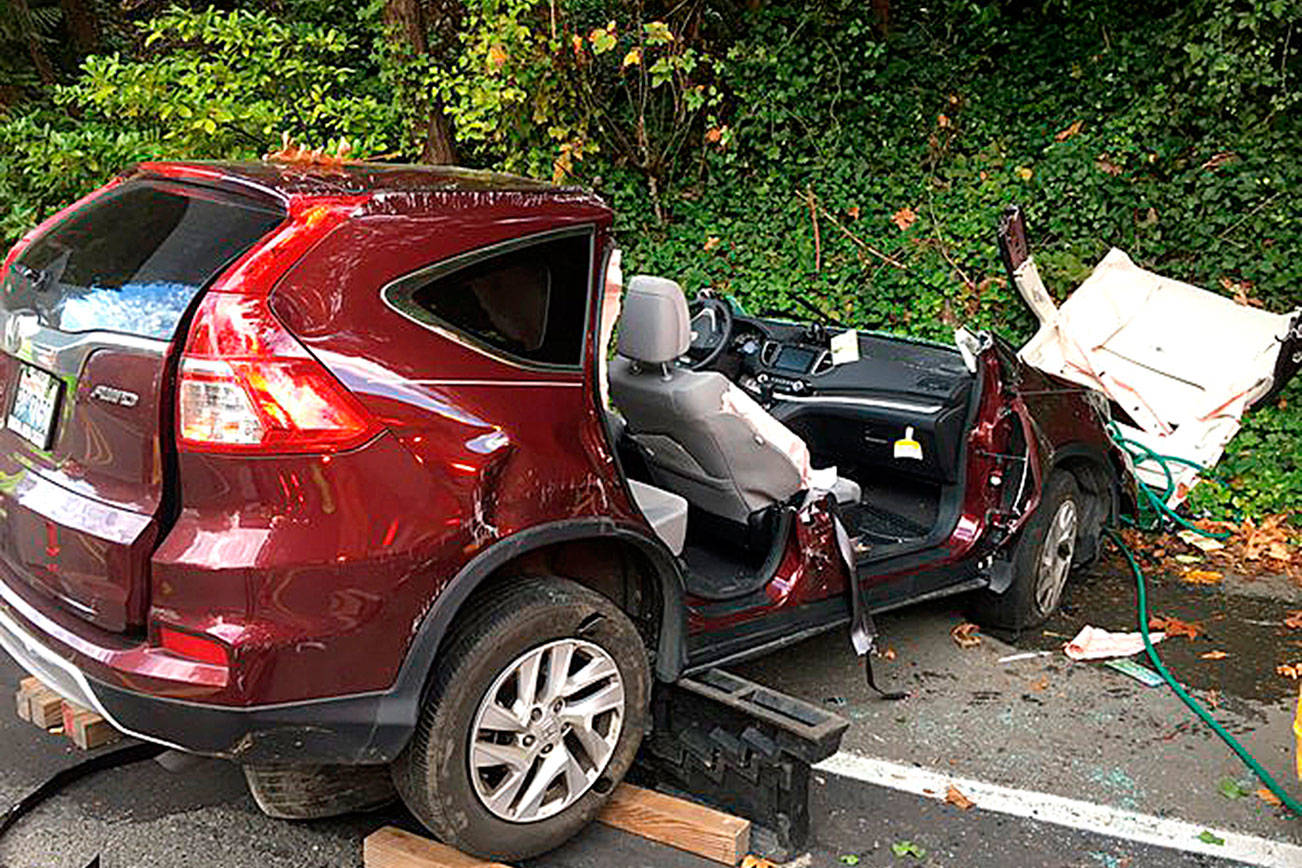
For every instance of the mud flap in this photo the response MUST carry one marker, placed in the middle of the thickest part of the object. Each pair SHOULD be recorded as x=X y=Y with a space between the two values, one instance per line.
x=742 y=747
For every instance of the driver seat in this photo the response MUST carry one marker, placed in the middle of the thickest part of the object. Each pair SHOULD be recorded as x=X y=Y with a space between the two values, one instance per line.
x=720 y=461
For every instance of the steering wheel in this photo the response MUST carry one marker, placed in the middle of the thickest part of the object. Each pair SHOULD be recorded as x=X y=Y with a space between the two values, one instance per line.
x=711 y=321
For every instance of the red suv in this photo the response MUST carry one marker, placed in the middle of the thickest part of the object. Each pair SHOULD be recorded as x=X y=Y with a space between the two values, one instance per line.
x=307 y=467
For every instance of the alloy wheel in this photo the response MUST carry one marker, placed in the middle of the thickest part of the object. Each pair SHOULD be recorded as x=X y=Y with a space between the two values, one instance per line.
x=1055 y=556
x=546 y=729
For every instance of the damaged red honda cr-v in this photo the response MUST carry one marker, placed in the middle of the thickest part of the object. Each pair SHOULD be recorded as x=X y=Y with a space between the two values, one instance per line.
x=308 y=468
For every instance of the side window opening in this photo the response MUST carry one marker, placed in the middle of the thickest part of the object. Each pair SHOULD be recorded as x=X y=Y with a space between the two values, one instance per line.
x=529 y=303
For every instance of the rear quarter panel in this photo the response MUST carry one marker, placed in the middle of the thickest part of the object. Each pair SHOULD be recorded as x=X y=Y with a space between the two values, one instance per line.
x=345 y=555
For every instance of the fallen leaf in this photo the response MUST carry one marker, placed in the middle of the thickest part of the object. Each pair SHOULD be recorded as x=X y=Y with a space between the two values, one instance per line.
x=966 y=635
x=1188 y=559
x=1041 y=684
x=757 y=862
x=1064 y=135
x=904 y=218
x=1202 y=577
x=1294 y=619
x=1289 y=670
x=1279 y=551
x=908 y=848
x=1175 y=627
x=1200 y=542
x=1268 y=797
x=1208 y=838
x=1107 y=167
x=849 y=859
x=888 y=654
x=1230 y=789
x=711 y=243
x=1214 y=655
x=957 y=799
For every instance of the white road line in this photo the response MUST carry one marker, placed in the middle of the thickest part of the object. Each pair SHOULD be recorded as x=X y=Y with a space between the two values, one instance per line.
x=1061 y=811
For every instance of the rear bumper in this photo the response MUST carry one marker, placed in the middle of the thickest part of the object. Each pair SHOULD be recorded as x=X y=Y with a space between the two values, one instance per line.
x=363 y=728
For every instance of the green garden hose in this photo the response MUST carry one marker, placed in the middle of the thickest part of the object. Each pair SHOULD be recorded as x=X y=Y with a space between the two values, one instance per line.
x=1291 y=803
x=1158 y=505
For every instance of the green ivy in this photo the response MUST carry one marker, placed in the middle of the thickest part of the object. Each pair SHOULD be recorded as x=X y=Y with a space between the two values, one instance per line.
x=730 y=135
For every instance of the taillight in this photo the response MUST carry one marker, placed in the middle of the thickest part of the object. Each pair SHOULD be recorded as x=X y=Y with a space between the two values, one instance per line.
x=247 y=385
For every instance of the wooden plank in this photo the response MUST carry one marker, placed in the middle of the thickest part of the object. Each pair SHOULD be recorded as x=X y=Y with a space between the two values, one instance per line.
x=86 y=729
x=45 y=708
x=678 y=823
x=22 y=699
x=393 y=848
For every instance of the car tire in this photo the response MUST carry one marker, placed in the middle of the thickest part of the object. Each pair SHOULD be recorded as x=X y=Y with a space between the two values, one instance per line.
x=1041 y=558
x=310 y=792
x=507 y=800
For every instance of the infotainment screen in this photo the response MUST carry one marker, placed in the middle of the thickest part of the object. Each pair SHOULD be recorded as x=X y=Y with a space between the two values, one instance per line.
x=797 y=360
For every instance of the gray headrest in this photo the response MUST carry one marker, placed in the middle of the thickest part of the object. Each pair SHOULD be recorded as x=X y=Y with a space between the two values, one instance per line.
x=654 y=326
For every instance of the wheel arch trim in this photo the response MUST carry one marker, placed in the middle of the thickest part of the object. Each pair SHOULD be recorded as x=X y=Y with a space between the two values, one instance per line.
x=671 y=642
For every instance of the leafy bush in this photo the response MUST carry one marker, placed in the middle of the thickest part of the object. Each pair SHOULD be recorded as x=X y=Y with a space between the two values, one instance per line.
x=778 y=151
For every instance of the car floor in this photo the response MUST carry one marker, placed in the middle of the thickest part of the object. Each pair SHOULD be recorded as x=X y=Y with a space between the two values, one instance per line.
x=893 y=507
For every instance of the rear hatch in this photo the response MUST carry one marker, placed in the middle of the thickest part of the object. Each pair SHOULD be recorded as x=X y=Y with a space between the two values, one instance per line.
x=88 y=316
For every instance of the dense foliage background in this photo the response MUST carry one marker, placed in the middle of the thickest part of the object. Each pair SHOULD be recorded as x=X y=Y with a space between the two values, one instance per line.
x=851 y=154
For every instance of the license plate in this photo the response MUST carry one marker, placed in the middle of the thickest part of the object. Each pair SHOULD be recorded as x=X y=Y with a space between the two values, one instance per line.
x=36 y=400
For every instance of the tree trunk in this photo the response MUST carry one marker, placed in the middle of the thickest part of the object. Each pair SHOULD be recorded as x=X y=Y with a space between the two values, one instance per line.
x=882 y=12
x=82 y=22
x=404 y=20
x=40 y=59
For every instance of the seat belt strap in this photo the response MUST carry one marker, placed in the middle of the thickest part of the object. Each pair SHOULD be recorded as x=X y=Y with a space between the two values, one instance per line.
x=863 y=632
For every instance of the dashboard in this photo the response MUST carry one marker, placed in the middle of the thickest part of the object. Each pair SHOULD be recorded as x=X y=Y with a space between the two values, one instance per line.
x=853 y=412
x=773 y=358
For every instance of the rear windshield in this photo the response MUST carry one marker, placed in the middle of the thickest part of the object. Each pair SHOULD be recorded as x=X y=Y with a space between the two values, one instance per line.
x=132 y=260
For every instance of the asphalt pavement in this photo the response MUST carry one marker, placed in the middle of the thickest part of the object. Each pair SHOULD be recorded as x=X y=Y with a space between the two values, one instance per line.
x=1035 y=730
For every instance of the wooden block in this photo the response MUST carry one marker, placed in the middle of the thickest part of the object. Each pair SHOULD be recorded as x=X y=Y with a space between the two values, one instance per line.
x=45 y=708
x=69 y=714
x=86 y=729
x=394 y=848
x=26 y=688
x=93 y=731
x=678 y=823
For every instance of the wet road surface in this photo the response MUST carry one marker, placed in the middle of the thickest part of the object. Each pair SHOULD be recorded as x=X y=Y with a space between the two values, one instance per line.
x=1043 y=724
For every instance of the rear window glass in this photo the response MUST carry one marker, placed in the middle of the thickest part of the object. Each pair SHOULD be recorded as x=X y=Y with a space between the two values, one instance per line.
x=132 y=260
x=529 y=303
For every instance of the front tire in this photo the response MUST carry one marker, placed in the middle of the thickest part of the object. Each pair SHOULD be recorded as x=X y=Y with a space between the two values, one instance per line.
x=1042 y=558
x=535 y=714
